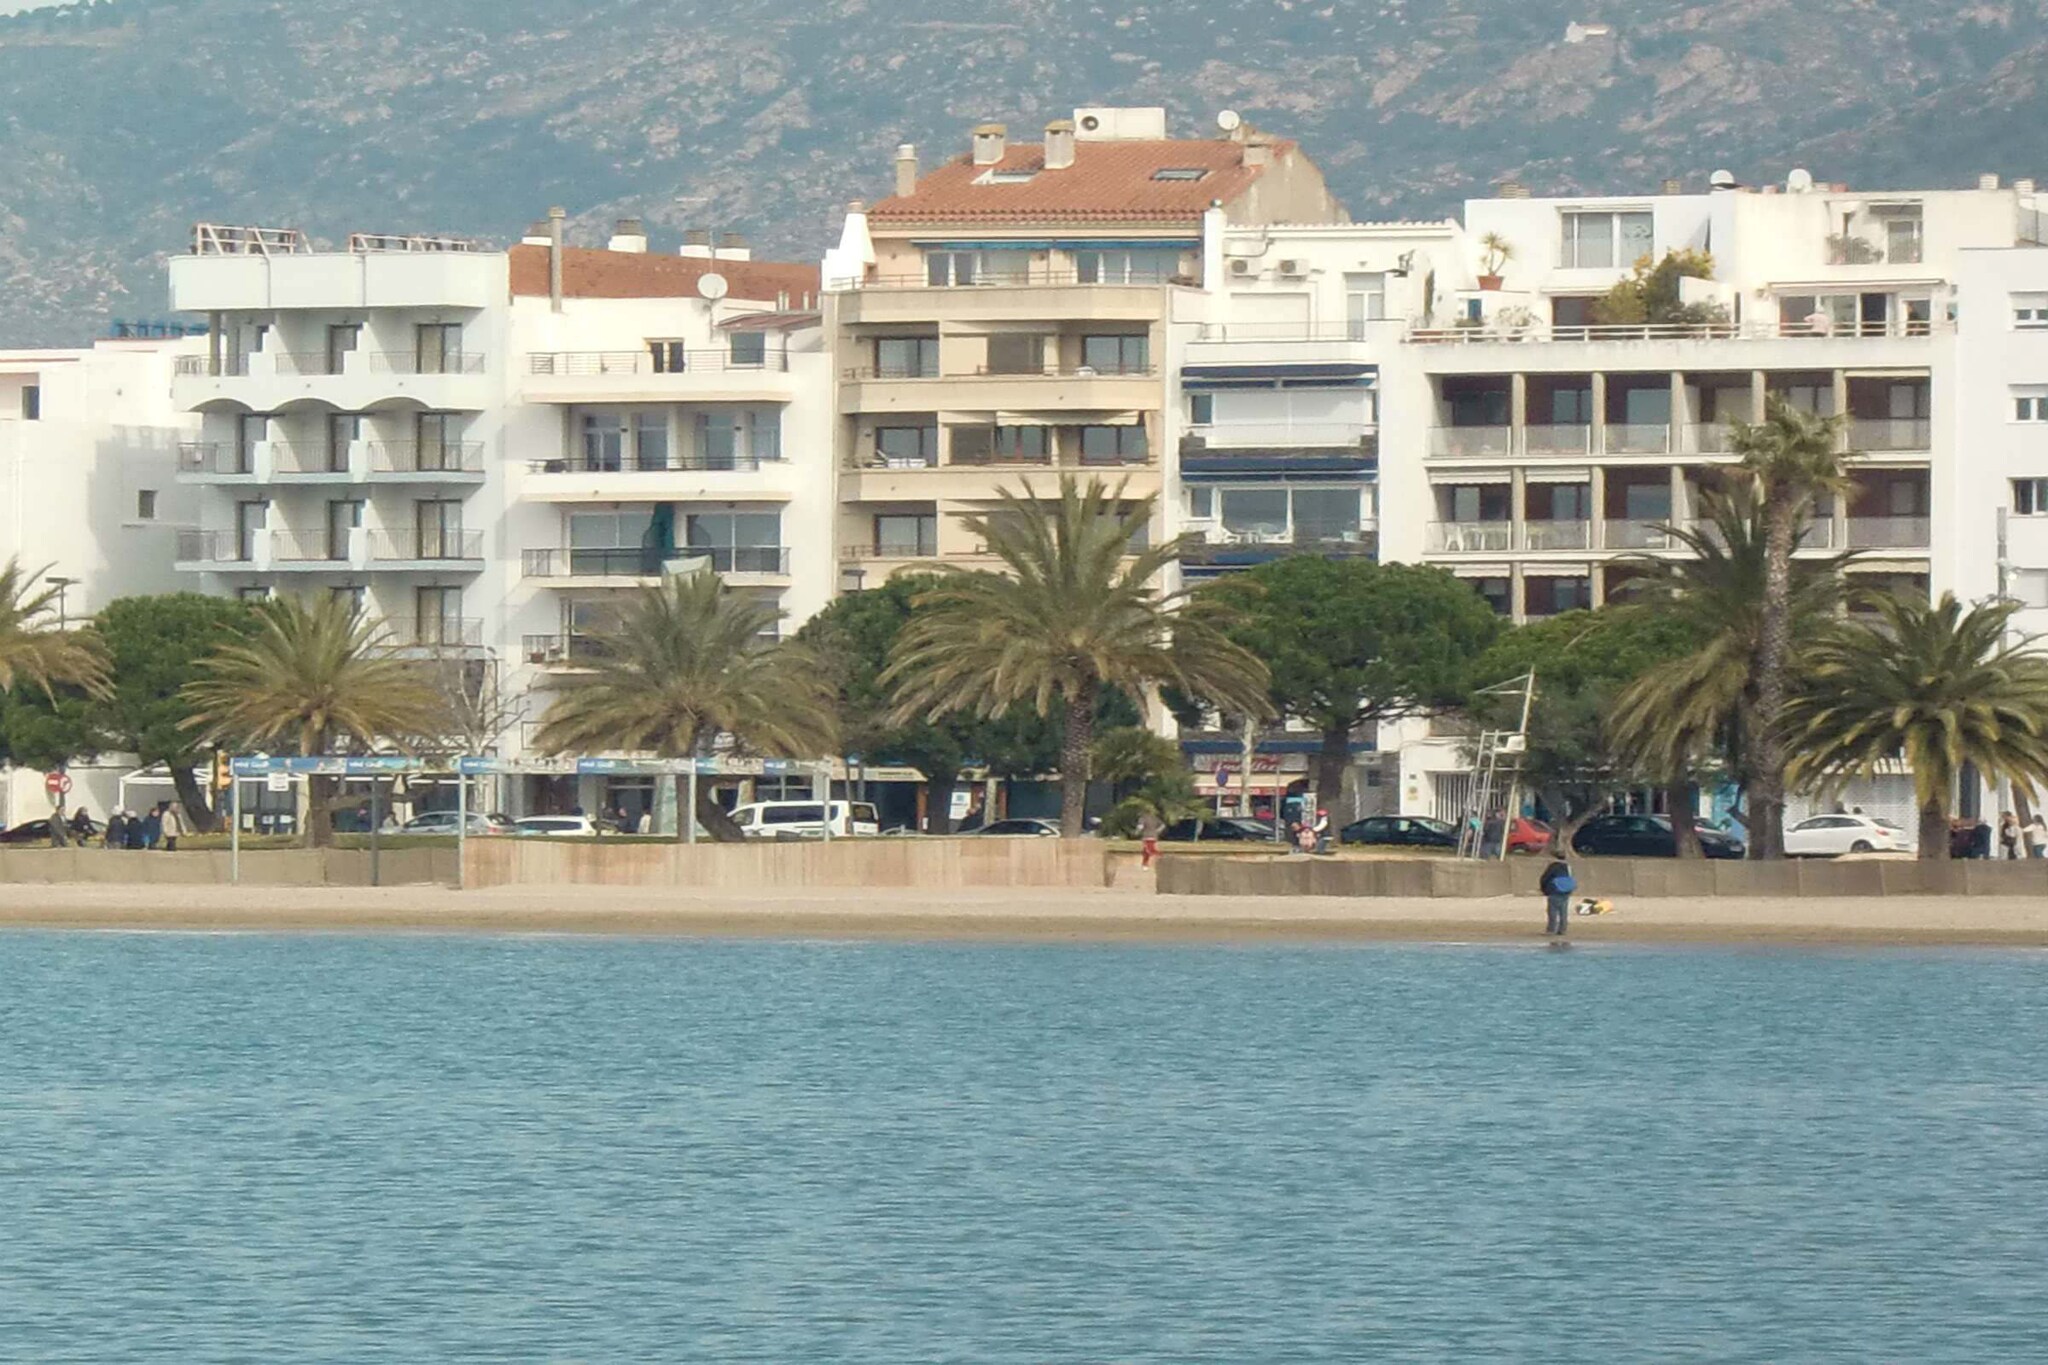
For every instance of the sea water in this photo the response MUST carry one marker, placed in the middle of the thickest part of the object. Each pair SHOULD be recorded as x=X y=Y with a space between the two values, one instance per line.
x=254 y=1148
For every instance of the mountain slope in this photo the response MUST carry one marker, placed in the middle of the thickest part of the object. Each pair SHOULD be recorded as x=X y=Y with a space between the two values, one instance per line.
x=126 y=120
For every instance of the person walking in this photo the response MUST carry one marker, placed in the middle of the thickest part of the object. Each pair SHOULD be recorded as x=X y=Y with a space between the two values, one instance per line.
x=153 y=826
x=1322 y=830
x=2009 y=836
x=172 y=823
x=1149 y=828
x=2036 y=834
x=1557 y=886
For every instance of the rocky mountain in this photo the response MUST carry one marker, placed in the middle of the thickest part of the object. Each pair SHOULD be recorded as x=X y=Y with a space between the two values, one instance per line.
x=127 y=120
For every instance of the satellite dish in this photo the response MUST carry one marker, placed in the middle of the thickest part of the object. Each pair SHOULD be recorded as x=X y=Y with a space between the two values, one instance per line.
x=1229 y=120
x=1800 y=181
x=711 y=285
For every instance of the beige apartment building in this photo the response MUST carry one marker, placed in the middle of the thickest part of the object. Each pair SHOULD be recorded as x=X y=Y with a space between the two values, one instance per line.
x=1006 y=318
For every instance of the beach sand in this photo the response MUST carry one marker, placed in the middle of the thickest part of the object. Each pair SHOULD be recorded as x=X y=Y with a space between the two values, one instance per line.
x=1053 y=915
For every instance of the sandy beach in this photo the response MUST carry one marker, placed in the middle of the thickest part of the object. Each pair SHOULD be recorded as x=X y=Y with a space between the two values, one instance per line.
x=1020 y=915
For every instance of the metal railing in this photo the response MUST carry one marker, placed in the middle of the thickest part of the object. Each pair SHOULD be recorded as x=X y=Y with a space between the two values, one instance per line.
x=1557 y=535
x=307 y=547
x=308 y=362
x=1253 y=435
x=692 y=463
x=218 y=367
x=214 y=457
x=427 y=457
x=1637 y=438
x=434 y=632
x=1465 y=442
x=645 y=562
x=563 y=649
x=210 y=547
x=859 y=372
x=315 y=363
x=585 y=364
x=1482 y=334
x=400 y=547
x=1035 y=276
x=1625 y=533
x=412 y=362
x=1889 y=533
x=1891 y=433
x=1471 y=537
x=1558 y=438
x=307 y=457
x=1368 y=329
x=925 y=547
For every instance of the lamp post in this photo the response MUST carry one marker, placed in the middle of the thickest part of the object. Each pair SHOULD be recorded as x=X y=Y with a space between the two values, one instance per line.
x=63 y=585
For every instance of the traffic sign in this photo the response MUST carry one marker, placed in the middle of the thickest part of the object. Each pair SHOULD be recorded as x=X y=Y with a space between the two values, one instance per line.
x=57 y=784
x=1222 y=777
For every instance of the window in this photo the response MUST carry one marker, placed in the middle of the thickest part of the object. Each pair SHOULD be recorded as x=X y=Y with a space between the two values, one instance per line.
x=943 y=268
x=730 y=438
x=650 y=440
x=1546 y=596
x=145 y=504
x=1116 y=354
x=438 y=523
x=747 y=350
x=1497 y=593
x=31 y=402
x=2030 y=311
x=907 y=447
x=2030 y=408
x=1180 y=173
x=1202 y=409
x=437 y=616
x=1326 y=514
x=252 y=594
x=1255 y=513
x=1113 y=445
x=995 y=177
x=438 y=348
x=669 y=357
x=1006 y=445
x=1201 y=503
x=2030 y=497
x=344 y=515
x=604 y=442
x=1143 y=265
x=621 y=542
x=737 y=542
x=1902 y=235
x=350 y=596
x=1365 y=301
x=433 y=446
x=1016 y=353
x=249 y=519
x=342 y=430
x=906 y=357
x=341 y=340
x=949 y=267
x=906 y=535
x=1602 y=239
x=251 y=428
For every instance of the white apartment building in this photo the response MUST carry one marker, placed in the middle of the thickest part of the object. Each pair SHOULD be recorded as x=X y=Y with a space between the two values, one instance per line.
x=89 y=441
x=486 y=448
x=1523 y=446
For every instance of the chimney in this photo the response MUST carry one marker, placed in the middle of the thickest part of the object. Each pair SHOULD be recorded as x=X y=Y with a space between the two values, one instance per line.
x=906 y=170
x=1672 y=185
x=697 y=244
x=1511 y=189
x=1258 y=152
x=732 y=246
x=990 y=141
x=629 y=235
x=2023 y=186
x=536 y=233
x=555 y=217
x=1987 y=181
x=782 y=300
x=1059 y=144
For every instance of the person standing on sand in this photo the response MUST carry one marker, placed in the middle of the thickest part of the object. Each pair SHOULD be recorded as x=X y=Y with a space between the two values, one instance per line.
x=2009 y=836
x=173 y=826
x=1557 y=887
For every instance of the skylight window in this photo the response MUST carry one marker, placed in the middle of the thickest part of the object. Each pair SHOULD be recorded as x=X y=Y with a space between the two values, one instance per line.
x=1180 y=172
x=1008 y=177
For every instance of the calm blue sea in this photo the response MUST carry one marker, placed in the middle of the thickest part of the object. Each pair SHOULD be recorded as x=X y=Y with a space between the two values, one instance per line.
x=428 y=1149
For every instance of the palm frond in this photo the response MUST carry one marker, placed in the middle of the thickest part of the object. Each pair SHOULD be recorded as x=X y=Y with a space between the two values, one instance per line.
x=32 y=647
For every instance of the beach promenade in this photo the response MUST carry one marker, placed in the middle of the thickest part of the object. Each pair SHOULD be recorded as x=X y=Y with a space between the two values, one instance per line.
x=1064 y=914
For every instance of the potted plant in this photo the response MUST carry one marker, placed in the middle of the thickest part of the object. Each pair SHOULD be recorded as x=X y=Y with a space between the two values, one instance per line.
x=1498 y=252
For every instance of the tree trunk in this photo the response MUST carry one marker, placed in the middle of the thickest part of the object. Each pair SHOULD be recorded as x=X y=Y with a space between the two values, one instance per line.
x=711 y=817
x=1933 y=833
x=1774 y=645
x=1080 y=737
x=193 y=798
x=319 y=812
x=1681 y=802
x=938 y=802
x=1333 y=759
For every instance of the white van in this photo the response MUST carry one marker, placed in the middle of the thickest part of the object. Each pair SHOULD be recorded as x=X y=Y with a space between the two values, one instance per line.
x=805 y=819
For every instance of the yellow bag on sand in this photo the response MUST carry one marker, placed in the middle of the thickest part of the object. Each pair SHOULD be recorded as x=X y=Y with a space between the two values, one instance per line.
x=1592 y=905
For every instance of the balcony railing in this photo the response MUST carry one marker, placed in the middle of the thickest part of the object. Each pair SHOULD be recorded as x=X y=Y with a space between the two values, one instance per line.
x=1891 y=433
x=1360 y=540
x=210 y=547
x=220 y=367
x=1465 y=442
x=308 y=363
x=1888 y=533
x=1471 y=537
x=1039 y=276
x=1637 y=438
x=1288 y=435
x=427 y=457
x=214 y=457
x=694 y=463
x=402 y=547
x=923 y=548
x=1671 y=331
x=434 y=632
x=1364 y=329
x=1706 y=438
x=410 y=362
x=1627 y=533
x=563 y=650
x=1568 y=439
x=584 y=364
x=307 y=547
x=309 y=457
x=291 y=363
x=1557 y=535
x=644 y=562
x=856 y=372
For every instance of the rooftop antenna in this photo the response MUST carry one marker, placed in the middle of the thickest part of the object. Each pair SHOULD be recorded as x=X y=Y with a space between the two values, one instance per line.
x=1230 y=120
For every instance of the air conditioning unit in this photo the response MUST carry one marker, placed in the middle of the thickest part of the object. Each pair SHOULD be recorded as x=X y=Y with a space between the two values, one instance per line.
x=1294 y=269
x=1241 y=266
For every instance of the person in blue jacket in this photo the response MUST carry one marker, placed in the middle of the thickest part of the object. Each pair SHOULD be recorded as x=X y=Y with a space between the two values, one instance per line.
x=1557 y=887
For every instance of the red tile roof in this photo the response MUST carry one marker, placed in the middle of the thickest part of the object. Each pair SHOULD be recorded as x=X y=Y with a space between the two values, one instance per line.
x=588 y=273
x=1109 y=181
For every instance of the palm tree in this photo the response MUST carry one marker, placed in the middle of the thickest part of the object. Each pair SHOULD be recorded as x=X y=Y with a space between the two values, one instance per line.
x=1794 y=459
x=1936 y=687
x=1078 y=612
x=317 y=677
x=1679 y=713
x=32 y=652
x=685 y=662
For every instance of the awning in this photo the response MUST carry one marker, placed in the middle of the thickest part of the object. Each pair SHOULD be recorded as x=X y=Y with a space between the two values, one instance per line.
x=1062 y=244
x=1554 y=474
x=1294 y=375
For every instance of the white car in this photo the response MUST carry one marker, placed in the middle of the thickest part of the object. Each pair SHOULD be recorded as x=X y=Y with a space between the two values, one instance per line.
x=805 y=820
x=1831 y=836
x=555 y=827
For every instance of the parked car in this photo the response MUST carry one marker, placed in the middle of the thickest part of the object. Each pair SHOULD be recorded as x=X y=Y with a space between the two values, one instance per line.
x=1218 y=829
x=446 y=822
x=38 y=832
x=1831 y=836
x=806 y=819
x=556 y=827
x=1020 y=829
x=1529 y=836
x=1400 y=831
x=1646 y=836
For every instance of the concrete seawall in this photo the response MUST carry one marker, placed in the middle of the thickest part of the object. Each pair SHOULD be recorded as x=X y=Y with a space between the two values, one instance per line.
x=1634 y=878
x=877 y=863
x=265 y=867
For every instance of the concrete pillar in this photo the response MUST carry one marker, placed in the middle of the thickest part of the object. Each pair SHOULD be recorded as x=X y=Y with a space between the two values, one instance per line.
x=1678 y=509
x=1681 y=415
x=1841 y=387
x=1596 y=585
x=1599 y=413
x=1518 y=492
x=1759 y=395
x=1598 y=530
x=1518 y=409
x=1518 y=596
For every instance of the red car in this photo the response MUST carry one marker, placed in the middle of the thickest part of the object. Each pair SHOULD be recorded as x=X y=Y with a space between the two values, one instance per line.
x=1529 y=836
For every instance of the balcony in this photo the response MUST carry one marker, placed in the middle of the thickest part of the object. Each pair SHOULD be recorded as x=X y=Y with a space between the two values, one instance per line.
x=426 y=548
x=1040 y=294
x=926 y=547
x=198 y=550
x=434 y=633
x=638 y=562
x=1470 y=537
x=572 y=650
x=1078 y=390
x=426 y=461
x=1620 y=333
x=1541 y=536
x=307 y=462
x=1281 y=447
x=289 y=549
x=1887 y=435
x=1558 y=440
x=643 y=376
x=872 y=479
x=1214 y=547
x=1637 y=533
x=1889 y=533
x=265 y=381
x=215 y=462
x=1466 y=443
x=1637 y=438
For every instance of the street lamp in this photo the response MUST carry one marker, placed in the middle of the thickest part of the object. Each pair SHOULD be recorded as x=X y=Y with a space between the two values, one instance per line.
x=62 y=585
